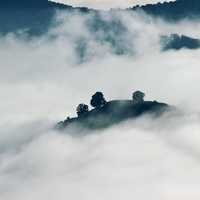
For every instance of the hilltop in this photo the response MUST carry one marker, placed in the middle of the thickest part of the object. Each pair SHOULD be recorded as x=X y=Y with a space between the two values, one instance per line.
x=106 y=114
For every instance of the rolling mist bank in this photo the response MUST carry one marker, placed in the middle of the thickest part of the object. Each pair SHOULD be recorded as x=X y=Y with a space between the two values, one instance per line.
x=43 y=79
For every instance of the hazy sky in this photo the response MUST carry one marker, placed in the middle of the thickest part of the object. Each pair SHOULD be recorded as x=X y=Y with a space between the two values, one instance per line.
x=106 y=4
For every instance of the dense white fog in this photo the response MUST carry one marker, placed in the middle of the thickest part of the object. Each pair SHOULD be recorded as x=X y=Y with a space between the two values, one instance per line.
x=42 y=82
x=108 y=4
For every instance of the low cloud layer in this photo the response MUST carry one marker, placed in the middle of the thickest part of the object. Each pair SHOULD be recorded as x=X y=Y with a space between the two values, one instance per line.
x=42 y=81
x=107 y=4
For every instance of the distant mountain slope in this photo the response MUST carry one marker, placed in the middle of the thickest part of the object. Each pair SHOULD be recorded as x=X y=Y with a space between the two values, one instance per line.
x=28 y=4
x=32 y=16
x=35 y=16
x=173 y=10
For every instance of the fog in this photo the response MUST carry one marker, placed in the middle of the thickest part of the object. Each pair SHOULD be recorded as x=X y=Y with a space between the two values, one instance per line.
x=43 y=79
x=108 y=4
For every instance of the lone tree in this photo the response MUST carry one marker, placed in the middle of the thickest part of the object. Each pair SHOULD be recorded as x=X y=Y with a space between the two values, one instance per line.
x=82 y=109
x=98 y=100
x=138 y=97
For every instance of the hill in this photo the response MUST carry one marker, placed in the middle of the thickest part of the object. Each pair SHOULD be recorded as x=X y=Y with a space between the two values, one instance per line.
x=114 y=112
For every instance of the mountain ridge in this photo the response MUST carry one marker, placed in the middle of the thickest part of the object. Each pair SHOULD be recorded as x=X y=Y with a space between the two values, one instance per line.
x=172 y=10
x=182 y=6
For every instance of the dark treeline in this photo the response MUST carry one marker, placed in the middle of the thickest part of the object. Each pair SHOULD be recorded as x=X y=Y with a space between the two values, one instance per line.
x=173 y=10
x=36 y=15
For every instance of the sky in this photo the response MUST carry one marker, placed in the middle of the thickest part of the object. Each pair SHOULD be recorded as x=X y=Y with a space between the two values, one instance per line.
x=42 y=80
x=107 y=4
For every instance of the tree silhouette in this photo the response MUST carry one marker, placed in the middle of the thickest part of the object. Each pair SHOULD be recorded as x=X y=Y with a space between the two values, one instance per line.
x=82 y=109
x=138 y=97
x=98 y=100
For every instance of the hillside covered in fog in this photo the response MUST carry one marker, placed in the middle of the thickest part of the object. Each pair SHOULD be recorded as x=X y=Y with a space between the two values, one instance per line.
x=36 y=16
x=53 y=59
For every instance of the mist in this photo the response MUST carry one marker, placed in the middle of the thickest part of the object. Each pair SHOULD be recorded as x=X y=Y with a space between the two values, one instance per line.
x=44 y=78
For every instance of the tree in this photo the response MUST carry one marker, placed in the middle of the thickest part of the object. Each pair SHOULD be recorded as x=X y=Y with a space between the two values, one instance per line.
x=98 y=100
x=82 y=109
x=138 y=97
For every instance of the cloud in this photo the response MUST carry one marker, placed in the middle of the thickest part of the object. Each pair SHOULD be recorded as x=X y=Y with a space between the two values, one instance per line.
x=123 y=161
x=107 y=4
x=42 y=81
